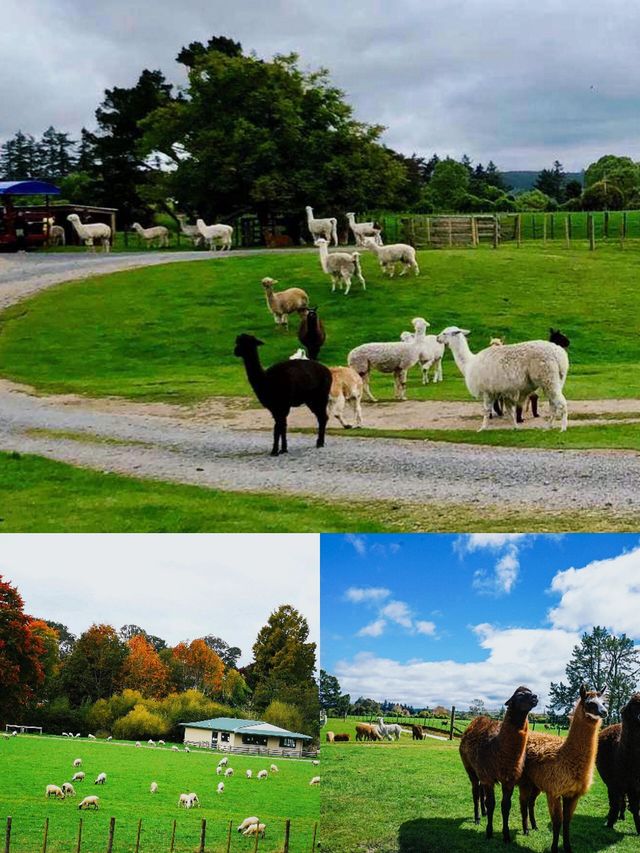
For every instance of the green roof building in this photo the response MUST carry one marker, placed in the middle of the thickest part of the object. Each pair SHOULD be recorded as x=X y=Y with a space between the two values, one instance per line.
x=252 y=737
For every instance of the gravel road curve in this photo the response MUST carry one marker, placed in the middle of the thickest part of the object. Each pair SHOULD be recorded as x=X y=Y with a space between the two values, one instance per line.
x=167 y=448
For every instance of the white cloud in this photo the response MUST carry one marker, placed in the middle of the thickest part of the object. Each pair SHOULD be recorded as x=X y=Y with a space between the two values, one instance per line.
x=366 y=594
x=604 y=592
x=492 y=541
x=423 y=627
x=503 y=577
x=177 y=586
x=359 y=543
x=399 y=612
x=373 y=629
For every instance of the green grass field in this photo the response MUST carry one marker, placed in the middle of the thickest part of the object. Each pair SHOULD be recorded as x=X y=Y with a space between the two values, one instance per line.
x=168 y=332
x=29 y=764
x=414 y=797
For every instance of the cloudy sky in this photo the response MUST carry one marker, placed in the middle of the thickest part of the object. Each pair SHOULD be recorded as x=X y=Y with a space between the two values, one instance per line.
x=447 y=619
x=519 y=83
x=177 y=586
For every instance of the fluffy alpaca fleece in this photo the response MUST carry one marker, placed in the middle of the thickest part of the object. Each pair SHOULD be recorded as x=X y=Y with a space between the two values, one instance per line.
x=618 y=763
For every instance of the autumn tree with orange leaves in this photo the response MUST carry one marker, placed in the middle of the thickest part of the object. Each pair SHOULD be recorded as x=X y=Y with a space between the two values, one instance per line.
x=22 y=651
x=144 y=670
x=197 y=667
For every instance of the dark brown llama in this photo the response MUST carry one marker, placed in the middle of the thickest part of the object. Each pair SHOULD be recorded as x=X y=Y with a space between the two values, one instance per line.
x=618 y=762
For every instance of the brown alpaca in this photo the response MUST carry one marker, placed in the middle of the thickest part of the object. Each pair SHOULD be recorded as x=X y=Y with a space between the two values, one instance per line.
x=493 y=753
x=618 y=762
x=562 y=767
x=340 y=738
x=417 y=733
x=365 y=731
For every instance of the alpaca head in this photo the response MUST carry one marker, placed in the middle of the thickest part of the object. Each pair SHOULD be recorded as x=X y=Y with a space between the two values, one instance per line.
x=556 y=337
x=590 y=705
x=522 y=701
x=269 y=283
x=448 y=335
x=419 y=323
x=631 y=712
x=496 y=342
x=246 y=344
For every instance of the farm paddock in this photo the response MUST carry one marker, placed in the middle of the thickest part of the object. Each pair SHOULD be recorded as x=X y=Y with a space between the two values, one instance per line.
x=30 y=763
x=415 y=797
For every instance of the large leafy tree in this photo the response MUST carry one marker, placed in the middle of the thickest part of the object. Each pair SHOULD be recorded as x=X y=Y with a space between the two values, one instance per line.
x=614 y=173
x=143 y=670
x=229 y=655
x=603 y=662
x=198 y=667
x=94 y=668
x=265 y=136
x=23 y=653
x=552 y=182
x=448 y=184
x=329 y=690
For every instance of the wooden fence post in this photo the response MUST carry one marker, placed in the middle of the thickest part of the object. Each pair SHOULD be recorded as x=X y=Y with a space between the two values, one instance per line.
x=533 y=225
x=315 y=835
x=7 y=838
x=429 y=230
x=570 y=225
x=567 y=232
x=606 y=223
x=544 y=228
x=229 y=836
x=450 y=233
x=453 y=719
x=79 y=845
x=496 y=226
x=592 y=231
x=622 y=230
x=173 y=837
x=624 y=224
x=137 y=848
x=553 y=226
x=287 y=833
x=112 y=830
x=255 y=846
x=46 y=835
x=203 y=835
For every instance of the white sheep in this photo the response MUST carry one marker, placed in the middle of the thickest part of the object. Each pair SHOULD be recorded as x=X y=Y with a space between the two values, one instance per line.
x=248 y=821
x=214 y=234
x=315 y=763
x=220 y=788
x=186 y=749
x=109 y=738
x=256 y=829
x=286 y=302
x=228 y=771
x=219 y=770
x=89 y=801
x=89 y=233
x=78 y=777
x=68 y=789
x=249 y=774
x=190 y=231
x=346 y=386
x=223 y=762
x=389 y=357
x=262 y=774
x=76 y=735
x=101 y=778
x=138 y=744
x=430 y=356
x=315 y=780
x=184 y=801
x=91 y=737
x=363 y=229
x=341 y=266
x=175 y=748
x=194 y=799
x=153 y=788
x=511 y=373
x=157 y=233
x=274 y=769
x=77 y=762
x=54 y=791
x=396 y=253
x=161 y=743
x=151 y=742
x=325 y=228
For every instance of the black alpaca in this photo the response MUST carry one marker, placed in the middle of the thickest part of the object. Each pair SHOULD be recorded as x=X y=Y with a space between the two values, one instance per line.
x=311 y=333
x=618 y=762
x=286 y=384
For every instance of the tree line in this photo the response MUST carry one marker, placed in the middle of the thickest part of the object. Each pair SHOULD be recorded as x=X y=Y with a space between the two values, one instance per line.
x=133 y=684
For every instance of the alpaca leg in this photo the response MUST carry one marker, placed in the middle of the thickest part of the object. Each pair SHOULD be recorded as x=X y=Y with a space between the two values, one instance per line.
x=347 y=281
x=400 y=378
x=568 y=808
x=558 y=407
x=475 y=792
x=614 y=807
x=425 y=373
x=534 y=405
x=276 y=436
x=320 y=411
x=366 y=389
x=519 y=417
x=336 y=407
x=512 y=411
x=634 y=808
x=505 y=807
x=524 y=814
x=357 y=409
x=490 y=796
x=487 y=404
x=555 y=812
x=532 y=808
x=416 y=268
x=483 y=802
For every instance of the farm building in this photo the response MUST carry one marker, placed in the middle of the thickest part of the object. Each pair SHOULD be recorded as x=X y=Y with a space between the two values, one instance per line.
x=246 y=736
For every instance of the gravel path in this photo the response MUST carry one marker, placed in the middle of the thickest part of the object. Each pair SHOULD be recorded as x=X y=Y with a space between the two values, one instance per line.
x=167 y=447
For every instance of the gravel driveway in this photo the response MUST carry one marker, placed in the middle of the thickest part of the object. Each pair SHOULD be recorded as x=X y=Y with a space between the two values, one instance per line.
x=170 y=448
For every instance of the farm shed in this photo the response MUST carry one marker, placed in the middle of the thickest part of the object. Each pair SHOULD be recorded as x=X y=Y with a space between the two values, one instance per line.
x=251 y=737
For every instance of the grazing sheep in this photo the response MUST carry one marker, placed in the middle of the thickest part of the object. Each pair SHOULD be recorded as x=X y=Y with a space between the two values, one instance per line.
x=315 y=780
x=248 y=774
x=214 y=234
x=218 y=770
x=311 y=333
x=223 y=761
x=68 y=789
x=330 y=736
x=228 y=771
x=290 y=301
x=89 y=234
x=341 y=738
x=157 y=233
x=562 y=767
x=430 y=356
x=285 y=385
x=153 y=788
x=417 y=732
x=256 y=829
x=194 y=799
x=78 y=777
x=101 y=778
x=511 y=373
x=274 y=769
x=248 y=821
x=618 y=763
x=89 y=802
x=138 y=744
x=494 y=752
x=190 y=231
x=184 y=801
x=364 y=229
x=315 y=763
x=77 y=762
x=110 y=738
x=220 y=787
x=341 y=266
x=186 y=749
x=325 y=228
x=161 y=743
x=262 y=774
x=396 y=253
x=175 y=748
x=395 y=357
x=54 y=791
x=151 y=742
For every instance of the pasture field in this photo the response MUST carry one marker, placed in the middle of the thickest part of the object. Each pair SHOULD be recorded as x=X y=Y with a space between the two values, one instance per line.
x=167 y=333
x=415 y=797
x=29 y=763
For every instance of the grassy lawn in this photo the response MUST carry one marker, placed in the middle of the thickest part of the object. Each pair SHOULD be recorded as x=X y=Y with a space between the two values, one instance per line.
x=31 y=763
x=414 y=797
x=42 y=496
x=168 y=332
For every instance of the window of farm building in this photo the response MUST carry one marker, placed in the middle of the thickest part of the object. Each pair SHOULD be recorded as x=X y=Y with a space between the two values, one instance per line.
x=287 y=743
x=256 y=740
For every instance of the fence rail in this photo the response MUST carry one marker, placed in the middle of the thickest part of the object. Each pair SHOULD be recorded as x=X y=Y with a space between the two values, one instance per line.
x=137 y=845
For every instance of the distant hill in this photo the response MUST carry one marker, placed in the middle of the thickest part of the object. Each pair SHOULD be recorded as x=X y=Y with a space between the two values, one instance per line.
x=522 y=181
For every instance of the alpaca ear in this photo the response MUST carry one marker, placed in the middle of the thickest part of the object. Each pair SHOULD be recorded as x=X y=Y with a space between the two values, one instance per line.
x=465 y=332
x=583 y=691
x=259 y=343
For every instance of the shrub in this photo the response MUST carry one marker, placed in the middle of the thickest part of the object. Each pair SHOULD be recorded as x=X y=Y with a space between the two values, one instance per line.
x=284 y=715
x=140 y=723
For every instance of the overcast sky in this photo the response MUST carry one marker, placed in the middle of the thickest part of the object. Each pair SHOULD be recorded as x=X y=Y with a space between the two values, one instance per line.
x=176 y=586
x=519 y=83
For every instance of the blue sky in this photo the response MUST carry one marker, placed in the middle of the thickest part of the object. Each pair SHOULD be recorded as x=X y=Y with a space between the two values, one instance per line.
x=448 y=618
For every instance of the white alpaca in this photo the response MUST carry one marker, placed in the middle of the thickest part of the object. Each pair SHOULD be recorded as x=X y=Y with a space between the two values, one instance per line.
x=363 y=229
x=325 y=228
x=430 y=356
x=91 y=232
x=341 y=266
x=214 y=234
x=157 y=233
x=190 y=231
x=389 y=256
